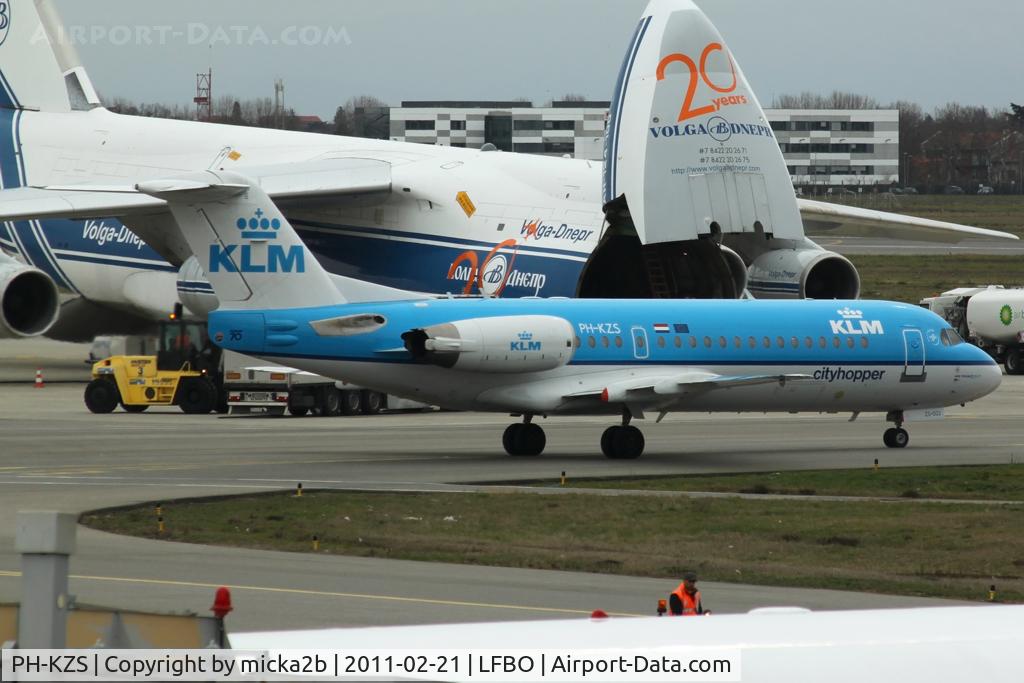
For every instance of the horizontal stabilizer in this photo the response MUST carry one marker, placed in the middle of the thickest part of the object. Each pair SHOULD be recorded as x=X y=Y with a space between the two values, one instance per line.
x=825 y=218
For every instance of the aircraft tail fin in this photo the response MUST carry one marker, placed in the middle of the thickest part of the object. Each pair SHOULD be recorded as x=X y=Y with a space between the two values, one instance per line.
x=688 y=144
x=249 y=251
x=39 y=67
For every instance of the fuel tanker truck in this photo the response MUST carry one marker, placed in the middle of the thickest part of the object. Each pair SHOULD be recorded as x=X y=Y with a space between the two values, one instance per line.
x=990 y=317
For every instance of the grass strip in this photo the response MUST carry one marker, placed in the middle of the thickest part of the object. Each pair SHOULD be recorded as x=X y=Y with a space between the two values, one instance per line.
x=927 y=549
x=975 y=482
x=911 y=278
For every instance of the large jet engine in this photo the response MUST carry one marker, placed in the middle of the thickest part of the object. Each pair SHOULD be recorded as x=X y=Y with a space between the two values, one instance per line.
x=29 y=302
x=529 y=343
x=803 y=274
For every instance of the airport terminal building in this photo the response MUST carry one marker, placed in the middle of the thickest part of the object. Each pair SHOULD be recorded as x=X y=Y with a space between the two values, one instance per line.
x=839 y=148
x=573 y=128
x=823 y=148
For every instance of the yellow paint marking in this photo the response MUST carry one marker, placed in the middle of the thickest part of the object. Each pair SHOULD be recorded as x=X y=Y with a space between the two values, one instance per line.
x=466 y=203
x=330 y=594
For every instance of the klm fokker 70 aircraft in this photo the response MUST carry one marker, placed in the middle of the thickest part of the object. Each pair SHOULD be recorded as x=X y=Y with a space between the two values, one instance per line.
x=540 y=357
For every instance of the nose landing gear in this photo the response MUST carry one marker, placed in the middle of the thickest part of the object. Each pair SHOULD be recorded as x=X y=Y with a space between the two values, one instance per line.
x=896 y=437
x=524 y=438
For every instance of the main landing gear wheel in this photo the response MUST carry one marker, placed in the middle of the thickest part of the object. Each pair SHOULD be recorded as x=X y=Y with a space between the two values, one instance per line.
x=524 y=439
x=622 y=442
x=896 y=437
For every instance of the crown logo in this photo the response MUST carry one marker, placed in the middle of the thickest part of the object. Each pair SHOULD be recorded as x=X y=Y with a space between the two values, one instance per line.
x=259 y=227
x=526 y=336
x=850 y=314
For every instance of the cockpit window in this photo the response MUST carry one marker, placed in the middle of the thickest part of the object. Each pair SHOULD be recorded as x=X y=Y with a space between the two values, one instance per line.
x=950 y=337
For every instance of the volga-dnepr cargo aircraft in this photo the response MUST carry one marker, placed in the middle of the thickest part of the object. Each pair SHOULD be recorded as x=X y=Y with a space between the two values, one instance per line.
x=539 y=357
x=696 y=200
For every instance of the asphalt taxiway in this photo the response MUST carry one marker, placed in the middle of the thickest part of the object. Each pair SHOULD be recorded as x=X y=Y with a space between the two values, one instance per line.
x=56 y=455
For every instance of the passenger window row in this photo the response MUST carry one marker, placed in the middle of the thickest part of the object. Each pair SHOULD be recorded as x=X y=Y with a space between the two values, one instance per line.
x=737 y=342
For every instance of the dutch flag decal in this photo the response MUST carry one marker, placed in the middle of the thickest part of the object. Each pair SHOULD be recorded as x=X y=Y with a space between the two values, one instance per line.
x=661 y=328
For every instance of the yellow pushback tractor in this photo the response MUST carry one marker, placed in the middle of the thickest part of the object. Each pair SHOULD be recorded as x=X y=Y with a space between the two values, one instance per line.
x=181 y=374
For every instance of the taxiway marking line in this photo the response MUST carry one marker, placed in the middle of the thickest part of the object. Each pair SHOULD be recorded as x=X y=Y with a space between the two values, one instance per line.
x=329 y=594
x=178 y=467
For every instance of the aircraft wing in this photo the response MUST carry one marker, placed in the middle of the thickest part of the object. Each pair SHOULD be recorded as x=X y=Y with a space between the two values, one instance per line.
x=81 y=202
x=322 y=180
x=656 y=388
x=826 y=218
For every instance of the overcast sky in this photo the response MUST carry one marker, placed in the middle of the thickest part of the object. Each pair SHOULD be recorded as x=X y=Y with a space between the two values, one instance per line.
x=928 y=51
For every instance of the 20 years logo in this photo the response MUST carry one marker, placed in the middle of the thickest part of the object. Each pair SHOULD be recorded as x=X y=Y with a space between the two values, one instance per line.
x=698 y=73
x=5 y=20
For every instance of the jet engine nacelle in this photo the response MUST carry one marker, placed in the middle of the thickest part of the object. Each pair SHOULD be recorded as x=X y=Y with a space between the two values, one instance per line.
x=29 y=301
x=528 y=343
x=803 y=274
x=195 y=291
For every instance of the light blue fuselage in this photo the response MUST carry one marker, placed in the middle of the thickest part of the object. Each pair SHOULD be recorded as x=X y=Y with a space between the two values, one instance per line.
x=857 y=355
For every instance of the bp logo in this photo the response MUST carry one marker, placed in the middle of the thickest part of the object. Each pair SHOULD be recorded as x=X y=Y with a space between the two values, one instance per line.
x=5 y=20
x=1006 y=315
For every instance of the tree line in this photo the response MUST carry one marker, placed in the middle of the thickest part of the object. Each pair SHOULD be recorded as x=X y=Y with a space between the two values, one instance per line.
x=955 y=144
x=362 y=116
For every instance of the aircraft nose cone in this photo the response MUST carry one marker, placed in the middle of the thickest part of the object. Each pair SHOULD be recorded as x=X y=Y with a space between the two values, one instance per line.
x=992 y=377
x=989 y=375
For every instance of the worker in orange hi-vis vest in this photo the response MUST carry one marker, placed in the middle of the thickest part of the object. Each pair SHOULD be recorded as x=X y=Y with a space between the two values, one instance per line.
x=685 y=600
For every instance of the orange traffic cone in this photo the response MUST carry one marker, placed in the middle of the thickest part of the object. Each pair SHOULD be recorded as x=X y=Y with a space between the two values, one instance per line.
x=40 y=384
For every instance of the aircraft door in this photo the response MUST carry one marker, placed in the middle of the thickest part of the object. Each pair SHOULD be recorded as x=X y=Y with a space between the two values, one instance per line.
x=640 y=346
x=914 y=369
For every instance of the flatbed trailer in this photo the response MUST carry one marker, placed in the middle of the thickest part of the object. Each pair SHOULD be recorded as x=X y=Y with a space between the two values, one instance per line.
x=253 y=387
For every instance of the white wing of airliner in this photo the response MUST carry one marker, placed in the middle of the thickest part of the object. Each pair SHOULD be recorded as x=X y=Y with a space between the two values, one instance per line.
x=825 y=218
x=679 y=385
x=336 y=180
x=653 y=389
